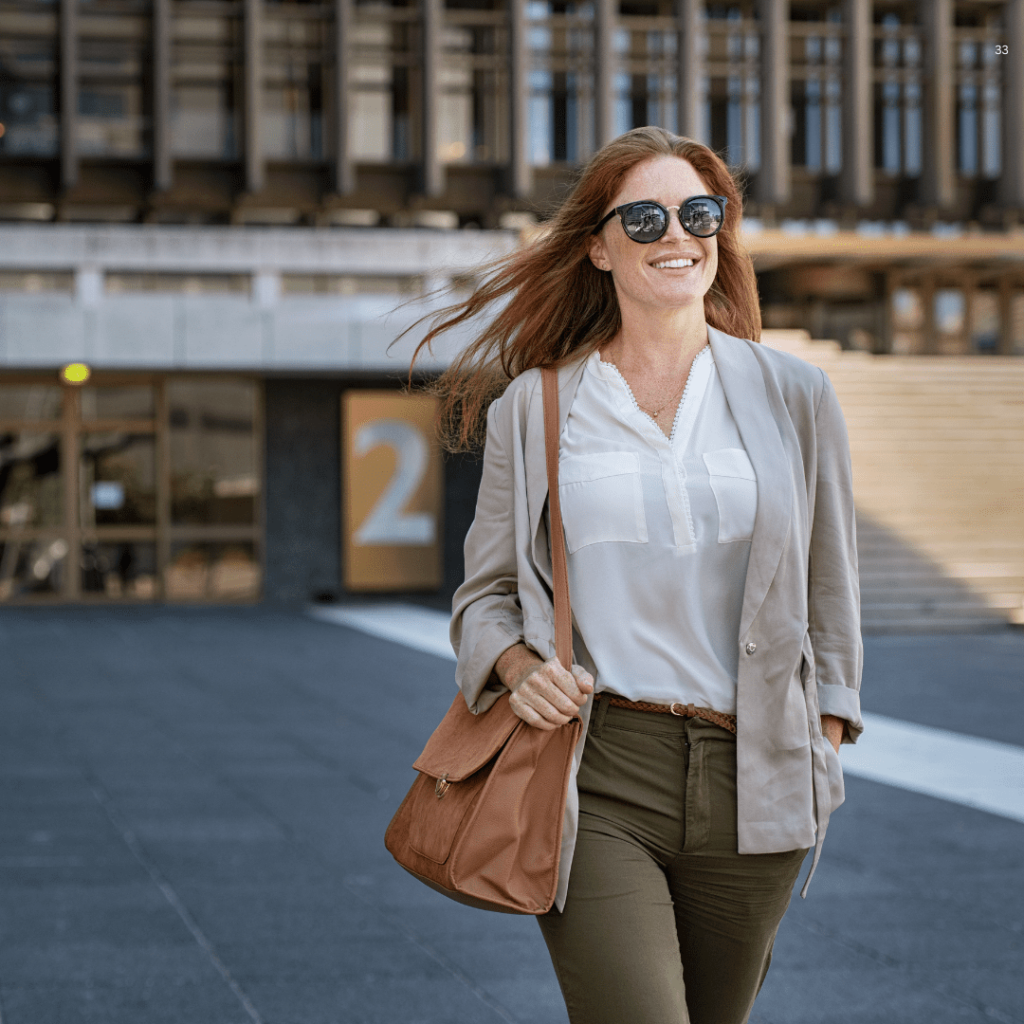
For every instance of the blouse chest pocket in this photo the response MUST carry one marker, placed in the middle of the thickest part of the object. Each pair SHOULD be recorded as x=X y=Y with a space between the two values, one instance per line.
x=735 y=486
x=602 y=499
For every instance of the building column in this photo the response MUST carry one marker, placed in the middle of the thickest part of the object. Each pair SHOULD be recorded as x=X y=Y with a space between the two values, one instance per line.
x=431 y=171
x=888 y=319
x=857 y=177
x=1004 y=346
x=691 y=70
x=163 y=172
x=773 y=177
x=520 y=183
x=938 y=169
x=604 y=72
x=1011 y=181
x=930 y=340
x=344 y=169
x=252 y=75
x=68 y=70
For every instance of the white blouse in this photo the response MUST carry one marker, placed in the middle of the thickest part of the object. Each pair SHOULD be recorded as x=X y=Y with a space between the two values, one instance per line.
x=658 y=532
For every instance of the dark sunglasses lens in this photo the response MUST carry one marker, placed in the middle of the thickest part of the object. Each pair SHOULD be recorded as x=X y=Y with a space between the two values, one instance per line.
x=645 y=222
x=702 y=217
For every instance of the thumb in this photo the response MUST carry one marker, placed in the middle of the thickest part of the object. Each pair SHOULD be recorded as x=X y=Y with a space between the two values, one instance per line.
x=584 y=680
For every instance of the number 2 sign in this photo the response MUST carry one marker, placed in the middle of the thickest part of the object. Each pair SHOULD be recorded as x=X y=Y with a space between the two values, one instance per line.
x=391 y=480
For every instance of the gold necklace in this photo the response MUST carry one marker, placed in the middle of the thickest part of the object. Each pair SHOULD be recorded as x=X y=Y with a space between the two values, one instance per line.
x=654 y=415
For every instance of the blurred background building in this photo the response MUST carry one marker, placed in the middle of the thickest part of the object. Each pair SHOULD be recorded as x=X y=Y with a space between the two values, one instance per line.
x=217 y=205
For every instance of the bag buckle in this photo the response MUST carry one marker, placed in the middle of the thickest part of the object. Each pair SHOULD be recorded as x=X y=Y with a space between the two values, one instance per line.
x=441 y=786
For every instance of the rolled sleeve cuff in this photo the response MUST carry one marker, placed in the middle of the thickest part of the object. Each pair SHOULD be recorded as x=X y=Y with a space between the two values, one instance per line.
x=475 y=668
x=842 y=702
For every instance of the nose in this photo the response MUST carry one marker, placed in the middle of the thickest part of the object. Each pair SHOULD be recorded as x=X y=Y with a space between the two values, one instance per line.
x=675 y=226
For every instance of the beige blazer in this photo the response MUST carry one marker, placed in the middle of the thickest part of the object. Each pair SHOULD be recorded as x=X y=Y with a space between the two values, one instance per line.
x=800 y=649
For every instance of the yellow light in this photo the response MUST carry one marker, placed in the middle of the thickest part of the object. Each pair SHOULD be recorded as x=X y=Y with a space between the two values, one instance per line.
x=2 y=129
x=76 y=373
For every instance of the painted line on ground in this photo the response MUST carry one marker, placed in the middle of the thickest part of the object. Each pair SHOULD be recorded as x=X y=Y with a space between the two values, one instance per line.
x=967 y=770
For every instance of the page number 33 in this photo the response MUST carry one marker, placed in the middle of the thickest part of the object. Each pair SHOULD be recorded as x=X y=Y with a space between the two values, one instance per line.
x=1002 y=50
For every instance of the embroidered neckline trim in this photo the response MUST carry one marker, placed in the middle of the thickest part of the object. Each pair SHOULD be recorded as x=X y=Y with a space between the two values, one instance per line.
x=706 y=350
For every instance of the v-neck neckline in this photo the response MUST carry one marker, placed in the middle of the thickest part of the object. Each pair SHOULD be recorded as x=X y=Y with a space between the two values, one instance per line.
x=696 y=384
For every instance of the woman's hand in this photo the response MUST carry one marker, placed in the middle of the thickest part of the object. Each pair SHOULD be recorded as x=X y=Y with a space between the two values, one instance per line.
x=544 y=694
x=832 y=728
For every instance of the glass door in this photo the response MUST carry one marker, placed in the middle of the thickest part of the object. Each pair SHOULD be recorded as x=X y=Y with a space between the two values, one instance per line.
x=130 y=489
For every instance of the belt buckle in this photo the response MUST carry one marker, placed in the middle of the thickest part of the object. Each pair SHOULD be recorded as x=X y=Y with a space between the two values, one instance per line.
x=682 y=710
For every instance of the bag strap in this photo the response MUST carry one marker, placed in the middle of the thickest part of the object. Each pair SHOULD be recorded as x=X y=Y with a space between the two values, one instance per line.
x=560 y=571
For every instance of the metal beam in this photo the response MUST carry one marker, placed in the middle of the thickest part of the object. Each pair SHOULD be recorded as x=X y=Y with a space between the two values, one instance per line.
x=690 y=70
x=163 y=171
x=252 y=86
x=857 y=176
x=432 y=172
x=520 y=172
x=344 y=168
x=1012 y=177
x=773 y=177
x=938 y=169
x=68 y=70
x=604 y=72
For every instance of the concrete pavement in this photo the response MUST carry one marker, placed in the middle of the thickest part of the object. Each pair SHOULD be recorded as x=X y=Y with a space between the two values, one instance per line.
x=192 y=805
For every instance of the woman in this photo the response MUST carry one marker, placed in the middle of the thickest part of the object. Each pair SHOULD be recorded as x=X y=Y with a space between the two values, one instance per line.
x=706 y=496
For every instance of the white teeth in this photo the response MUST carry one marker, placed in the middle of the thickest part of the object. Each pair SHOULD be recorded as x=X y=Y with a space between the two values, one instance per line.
x=673 y=264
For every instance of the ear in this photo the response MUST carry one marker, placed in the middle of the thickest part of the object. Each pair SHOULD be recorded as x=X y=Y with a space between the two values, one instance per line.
x=599 y=253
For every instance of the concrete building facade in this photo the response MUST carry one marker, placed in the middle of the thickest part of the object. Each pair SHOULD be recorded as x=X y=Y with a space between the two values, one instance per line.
x=229 y=209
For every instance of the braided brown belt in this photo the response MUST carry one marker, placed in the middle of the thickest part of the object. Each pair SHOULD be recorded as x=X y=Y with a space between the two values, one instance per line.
x=681 y=710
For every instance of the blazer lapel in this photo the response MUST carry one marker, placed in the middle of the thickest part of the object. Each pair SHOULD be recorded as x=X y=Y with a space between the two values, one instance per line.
x=569 y=377
x=747 y=395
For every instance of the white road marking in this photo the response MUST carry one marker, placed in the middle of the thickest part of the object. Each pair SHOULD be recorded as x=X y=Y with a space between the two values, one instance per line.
x=951 y=766
x=420 y=628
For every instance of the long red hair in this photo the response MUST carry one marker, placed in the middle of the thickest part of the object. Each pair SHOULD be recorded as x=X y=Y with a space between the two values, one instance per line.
x=558 y=306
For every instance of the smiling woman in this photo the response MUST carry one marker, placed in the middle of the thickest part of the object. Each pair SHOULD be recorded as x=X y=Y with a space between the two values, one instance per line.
x=705 y=489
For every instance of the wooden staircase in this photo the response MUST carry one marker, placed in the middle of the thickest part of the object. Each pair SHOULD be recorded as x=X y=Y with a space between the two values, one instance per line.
x=937 y=444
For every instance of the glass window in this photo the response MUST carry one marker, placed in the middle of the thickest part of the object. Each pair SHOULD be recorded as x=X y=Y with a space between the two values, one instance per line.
x=119 y=569
x=29 y=402
x=384 y=61
x=28 y=106
x=210 y=571
x=561 y=80
x=292 y=115
x=118 y=479
x=347 y=284
x=732 y=110
x=33 y=567
x=213 y=452
x=205 y=100
x=36 y=281
x=182 y=284
x=30 y=480
x=474 y=85
x=130 y=402
x=114 y=55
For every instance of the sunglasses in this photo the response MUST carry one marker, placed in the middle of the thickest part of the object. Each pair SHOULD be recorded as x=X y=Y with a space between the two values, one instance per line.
x=646 y=221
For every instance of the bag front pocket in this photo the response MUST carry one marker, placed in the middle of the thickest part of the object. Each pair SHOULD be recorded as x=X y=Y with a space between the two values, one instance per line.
x=735 y=486
x=602 y=499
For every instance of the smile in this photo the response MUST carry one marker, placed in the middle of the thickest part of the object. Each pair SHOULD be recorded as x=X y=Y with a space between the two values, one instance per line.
x=672 y=264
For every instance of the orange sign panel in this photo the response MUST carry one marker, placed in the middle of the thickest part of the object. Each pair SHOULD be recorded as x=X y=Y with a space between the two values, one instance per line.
x=392 y=485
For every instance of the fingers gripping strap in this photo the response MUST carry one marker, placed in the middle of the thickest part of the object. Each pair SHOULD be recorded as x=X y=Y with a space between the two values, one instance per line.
x=560 y=572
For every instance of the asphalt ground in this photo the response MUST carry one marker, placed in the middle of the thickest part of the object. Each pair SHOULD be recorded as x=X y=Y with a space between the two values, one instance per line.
x=192 y=806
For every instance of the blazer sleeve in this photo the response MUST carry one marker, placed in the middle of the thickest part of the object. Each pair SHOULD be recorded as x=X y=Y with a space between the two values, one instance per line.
x=486 y=615
x=833 y=577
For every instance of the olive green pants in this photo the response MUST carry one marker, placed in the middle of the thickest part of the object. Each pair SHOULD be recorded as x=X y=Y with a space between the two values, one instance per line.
x=664 y=923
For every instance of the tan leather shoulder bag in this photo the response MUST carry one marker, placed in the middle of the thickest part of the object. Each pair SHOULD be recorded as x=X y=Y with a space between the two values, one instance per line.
x=482 y=823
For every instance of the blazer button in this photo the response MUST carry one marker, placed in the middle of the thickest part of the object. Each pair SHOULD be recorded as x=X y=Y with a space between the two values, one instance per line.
x=751 y=647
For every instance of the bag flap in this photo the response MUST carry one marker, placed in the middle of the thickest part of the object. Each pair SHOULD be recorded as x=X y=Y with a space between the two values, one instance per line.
x=463 y=743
